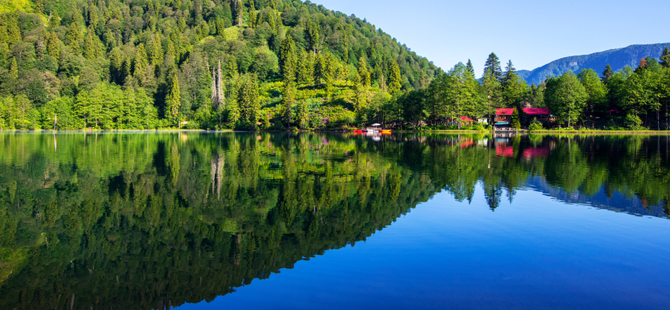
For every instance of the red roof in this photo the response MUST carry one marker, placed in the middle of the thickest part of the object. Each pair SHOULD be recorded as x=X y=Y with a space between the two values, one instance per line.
x=535 y=152
x=536 y=111
x=508 y=111
x=504 y=150
x=467 y=119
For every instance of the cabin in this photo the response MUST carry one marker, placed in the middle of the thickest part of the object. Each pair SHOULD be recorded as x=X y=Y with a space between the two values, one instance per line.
x=542 y=115
x=465 y=120
x=504 y=117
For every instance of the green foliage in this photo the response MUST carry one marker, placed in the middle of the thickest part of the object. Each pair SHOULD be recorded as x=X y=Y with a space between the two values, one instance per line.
x=84 y=44
x=515 y=123
x=535 y=125
x=566 y=97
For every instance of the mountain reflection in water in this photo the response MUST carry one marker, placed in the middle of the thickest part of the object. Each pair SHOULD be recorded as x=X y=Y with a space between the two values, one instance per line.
x=156 y=220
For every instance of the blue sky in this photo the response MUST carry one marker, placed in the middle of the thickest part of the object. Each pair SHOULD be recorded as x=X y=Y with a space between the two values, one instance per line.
x=530 y=33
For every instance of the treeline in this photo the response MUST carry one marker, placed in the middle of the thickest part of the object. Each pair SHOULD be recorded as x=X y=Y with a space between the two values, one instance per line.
x=74 y=64
x=632 y=98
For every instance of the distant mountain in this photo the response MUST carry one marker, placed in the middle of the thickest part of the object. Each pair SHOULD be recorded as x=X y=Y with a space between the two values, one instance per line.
x=617 y=58
x=617 y=202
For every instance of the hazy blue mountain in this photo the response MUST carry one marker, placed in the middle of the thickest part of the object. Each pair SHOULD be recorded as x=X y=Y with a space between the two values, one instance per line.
x=617 y=58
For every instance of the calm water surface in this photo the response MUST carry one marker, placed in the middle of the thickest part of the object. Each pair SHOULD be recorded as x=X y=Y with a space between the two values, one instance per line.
x=333 y=221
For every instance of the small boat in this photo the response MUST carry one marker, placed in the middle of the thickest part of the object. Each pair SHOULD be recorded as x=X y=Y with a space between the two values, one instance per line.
x=386 y=131
x=358 y=131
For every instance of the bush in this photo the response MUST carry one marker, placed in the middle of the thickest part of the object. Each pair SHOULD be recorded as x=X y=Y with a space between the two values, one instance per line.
x=633 y=122
x=535 y=125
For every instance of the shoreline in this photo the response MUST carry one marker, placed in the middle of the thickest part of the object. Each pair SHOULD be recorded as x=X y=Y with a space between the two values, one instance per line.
x=522 y=132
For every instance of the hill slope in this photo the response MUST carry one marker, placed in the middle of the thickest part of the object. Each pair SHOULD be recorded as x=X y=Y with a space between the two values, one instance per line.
x=617 y=58
x=161 y=57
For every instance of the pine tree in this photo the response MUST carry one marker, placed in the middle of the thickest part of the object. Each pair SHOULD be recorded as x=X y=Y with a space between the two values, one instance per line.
x=14 y=69
x=303 y=116
x=607 y=74
x=155 y=50
x=231 y=67
x=493 y=65
x=395 y=79
x=364 y=73
x=73 y=38
x=13 y=31
x=313 y=36
x=173 y=98
x=54 y=20
x=287 y=59
x=288 y=95
x=92 y=49
x=53 y=45
x=141 y=64
x=510 y=73
x=470 y=68
x=665 y=57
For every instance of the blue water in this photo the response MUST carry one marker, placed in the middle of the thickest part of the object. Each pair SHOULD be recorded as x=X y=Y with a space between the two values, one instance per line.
x=534 y=253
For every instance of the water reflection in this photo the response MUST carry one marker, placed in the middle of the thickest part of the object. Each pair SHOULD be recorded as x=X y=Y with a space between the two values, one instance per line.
x=149 y=221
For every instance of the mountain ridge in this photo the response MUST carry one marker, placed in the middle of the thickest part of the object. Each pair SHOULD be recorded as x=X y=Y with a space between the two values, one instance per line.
x=617 y=58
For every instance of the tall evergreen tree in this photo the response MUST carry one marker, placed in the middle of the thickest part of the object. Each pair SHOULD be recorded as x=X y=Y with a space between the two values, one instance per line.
x=395 y=79
x=73 y=38
x=363 y=73
x=493 y=65
x=665 y=57
x=173 y=98
x=607 y=74
x=287 y=61
x=508 y=77
x=53 y=45
x=470 y=68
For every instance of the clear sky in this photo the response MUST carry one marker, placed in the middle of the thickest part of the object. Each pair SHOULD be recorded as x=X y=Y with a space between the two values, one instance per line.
x=530 y=33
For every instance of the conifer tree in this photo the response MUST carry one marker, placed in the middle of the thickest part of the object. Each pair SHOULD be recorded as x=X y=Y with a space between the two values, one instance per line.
x=231 y=67
x=607 y=74
x=53 y=45
x=395 y=79
x=92 y=49
x=470 y=68
x=364 y=73
x=141 y=64
x=155 y=50
x=173 y=98
x=510 y=73
x=13 y=31
x=493 y=64
x=303 y=116
x=14 y=69
x=73 y=38
x=665 y=58
x=287 y=59
x=54 y=20
x=288 y=96
x=313 y=36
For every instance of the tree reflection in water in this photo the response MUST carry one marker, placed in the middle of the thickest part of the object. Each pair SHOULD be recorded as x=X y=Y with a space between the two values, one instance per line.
x=146 y=221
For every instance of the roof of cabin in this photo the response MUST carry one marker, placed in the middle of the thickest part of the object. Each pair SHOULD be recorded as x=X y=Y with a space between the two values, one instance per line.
x=505 y=111
x=536 y=111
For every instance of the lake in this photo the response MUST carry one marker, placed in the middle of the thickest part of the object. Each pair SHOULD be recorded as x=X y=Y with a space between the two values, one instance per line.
x=194 y=220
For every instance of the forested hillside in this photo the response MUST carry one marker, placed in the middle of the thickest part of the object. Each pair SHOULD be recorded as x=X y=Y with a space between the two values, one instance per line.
x=195 y=64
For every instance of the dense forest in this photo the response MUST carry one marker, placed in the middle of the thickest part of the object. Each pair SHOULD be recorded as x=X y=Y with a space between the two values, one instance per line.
x=72 y=64
x=144 y=221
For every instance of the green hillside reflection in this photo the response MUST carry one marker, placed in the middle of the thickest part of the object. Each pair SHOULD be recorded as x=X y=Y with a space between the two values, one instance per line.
x=147 y=221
